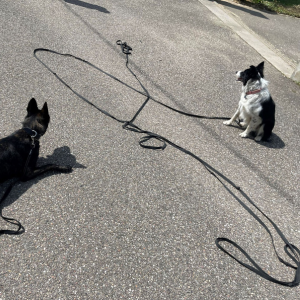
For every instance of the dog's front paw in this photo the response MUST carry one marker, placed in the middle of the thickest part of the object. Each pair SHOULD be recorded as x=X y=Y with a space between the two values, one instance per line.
x=227 y=122
x=244 y=134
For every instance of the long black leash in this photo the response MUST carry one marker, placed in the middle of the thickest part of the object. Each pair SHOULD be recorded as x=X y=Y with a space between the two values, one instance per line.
x=292 y=251
x=15 y=222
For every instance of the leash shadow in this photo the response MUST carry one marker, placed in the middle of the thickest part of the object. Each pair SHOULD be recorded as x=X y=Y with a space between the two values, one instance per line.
x=60 y=156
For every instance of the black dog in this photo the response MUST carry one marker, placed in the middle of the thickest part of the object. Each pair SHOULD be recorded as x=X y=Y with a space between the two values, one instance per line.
x=19 y=152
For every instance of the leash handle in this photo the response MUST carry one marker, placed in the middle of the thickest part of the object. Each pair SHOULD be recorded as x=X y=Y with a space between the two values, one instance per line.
x=257 y=269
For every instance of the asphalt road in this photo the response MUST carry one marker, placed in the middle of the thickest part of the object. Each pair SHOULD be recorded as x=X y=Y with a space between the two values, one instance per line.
x=132 y=223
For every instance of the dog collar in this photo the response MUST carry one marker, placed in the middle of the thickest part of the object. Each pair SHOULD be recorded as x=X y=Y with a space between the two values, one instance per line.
x=253 y=92
x=31 y=132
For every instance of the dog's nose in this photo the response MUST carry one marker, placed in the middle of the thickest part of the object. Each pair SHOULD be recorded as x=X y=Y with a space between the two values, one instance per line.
x=236 y=72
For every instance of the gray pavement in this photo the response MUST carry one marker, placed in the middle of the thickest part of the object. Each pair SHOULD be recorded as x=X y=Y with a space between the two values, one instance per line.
x=131 y=223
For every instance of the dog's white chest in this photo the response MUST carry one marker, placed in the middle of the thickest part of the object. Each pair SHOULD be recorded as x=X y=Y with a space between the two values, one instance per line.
x=250 y=104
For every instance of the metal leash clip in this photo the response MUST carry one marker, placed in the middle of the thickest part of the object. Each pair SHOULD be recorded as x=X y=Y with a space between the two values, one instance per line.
x=125 y=48
x=32 y=138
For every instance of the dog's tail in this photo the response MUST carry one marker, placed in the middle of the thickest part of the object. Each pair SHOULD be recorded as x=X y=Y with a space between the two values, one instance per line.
x=268 y=116
x=268 y=127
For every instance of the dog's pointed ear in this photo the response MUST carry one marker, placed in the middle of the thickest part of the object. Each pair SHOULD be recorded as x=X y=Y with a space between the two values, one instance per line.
x=45 y=109
x=32 y=106
x=260 y=69
x=45 y=112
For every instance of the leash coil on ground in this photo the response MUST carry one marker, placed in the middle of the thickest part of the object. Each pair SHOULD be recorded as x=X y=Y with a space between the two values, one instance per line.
x=291 y=250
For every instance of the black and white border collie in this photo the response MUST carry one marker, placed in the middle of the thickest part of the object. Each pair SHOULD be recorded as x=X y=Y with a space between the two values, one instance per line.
x=256 y=106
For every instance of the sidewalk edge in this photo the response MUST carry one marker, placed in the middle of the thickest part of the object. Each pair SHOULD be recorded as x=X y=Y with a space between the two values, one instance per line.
x=249 y=38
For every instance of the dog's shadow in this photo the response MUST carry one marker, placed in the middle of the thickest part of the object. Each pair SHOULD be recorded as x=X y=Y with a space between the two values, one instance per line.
x=61 y=156
x=274 y=142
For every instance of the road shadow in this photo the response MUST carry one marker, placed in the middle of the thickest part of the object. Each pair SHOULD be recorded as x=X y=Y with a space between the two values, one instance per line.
x=239 y=7
x=88 y=5
x=61 y=156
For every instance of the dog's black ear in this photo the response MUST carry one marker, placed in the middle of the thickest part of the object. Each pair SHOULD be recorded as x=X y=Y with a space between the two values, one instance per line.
x=260 y=69
x=32 y=107
x=45 y=109
x=45 y=112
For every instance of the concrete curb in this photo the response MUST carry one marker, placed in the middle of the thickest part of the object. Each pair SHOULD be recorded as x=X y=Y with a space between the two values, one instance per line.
x=296 y=74
x=253 y=40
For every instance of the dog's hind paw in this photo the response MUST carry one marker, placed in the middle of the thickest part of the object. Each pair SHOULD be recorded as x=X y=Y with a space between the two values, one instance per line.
x=258 y=138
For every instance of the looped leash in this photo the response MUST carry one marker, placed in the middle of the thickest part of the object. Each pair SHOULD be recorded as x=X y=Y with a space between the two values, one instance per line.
x=147 y=138
x=149 y=135
x=258 y=270
x=291 y=250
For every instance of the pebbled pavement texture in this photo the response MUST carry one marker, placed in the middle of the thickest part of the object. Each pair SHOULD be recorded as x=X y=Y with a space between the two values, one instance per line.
x=132 y=223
